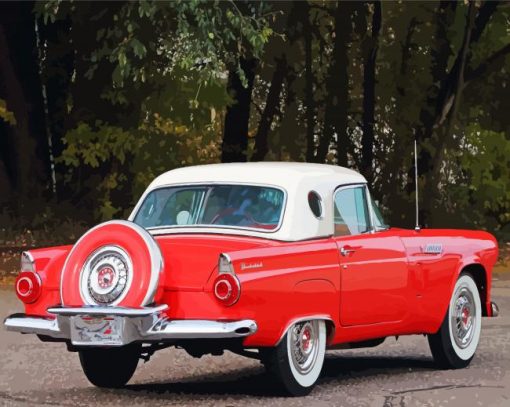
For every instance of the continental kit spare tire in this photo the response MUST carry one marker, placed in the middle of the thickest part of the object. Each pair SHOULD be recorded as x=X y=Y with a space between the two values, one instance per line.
x=116 y=263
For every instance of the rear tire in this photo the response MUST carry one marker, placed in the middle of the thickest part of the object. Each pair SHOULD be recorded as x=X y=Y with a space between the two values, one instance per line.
x=454 y=345
x=110 y=367
x=296 y=362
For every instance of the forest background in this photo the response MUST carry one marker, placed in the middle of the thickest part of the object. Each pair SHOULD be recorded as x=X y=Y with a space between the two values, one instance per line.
x=97 y=98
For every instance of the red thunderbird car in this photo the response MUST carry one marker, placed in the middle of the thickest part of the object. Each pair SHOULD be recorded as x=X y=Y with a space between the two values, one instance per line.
x=274 y=261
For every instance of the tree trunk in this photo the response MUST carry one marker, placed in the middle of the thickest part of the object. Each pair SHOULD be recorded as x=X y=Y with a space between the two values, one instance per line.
x=272 y=103
x=26 y=158
x=440 y=53
x=456 y=89
x=309 y=82
x=429 y=164
x=57 y=72
x=369 y=68
x=337 y=85
x=235 y=136
x=89 y=104
x=89 y=86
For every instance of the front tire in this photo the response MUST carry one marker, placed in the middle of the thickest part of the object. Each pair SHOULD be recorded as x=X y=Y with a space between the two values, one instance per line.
x=454 y=345
x=110 y=367
x=296 y=362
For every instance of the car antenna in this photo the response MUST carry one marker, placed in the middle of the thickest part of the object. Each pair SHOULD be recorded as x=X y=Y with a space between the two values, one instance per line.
x=417 y=227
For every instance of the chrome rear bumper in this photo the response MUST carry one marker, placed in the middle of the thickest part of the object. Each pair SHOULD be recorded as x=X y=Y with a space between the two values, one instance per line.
x=140 y=324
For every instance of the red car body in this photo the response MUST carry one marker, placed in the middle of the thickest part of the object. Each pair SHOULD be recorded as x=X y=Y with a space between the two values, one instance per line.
x=408 y=295
x=257 y=282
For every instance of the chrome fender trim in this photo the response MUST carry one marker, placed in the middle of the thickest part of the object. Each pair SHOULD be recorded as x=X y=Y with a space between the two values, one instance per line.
x=322 y=317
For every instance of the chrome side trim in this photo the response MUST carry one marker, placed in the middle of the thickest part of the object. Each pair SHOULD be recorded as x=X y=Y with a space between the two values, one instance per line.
x=322 y=317
x=96 y=310
x=494 y=309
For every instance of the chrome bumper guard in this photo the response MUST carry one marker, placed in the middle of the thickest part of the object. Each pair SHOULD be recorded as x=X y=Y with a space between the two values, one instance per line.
x=494 y=309
x=138 y=324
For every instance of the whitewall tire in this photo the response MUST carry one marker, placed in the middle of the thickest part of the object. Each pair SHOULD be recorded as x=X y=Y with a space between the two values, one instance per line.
x=296 y=362
x=455 y=344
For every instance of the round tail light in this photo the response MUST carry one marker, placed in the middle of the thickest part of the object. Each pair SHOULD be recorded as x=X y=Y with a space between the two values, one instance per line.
x=227 y=289
x=28 y=286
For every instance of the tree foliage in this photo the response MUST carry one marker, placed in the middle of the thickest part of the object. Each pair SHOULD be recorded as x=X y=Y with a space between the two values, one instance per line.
x=131 y=89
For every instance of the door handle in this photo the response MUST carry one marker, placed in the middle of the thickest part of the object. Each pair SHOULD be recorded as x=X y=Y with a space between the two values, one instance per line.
x=346 y=250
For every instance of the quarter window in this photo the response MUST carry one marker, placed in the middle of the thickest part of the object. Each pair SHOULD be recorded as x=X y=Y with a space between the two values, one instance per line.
x=315 y=202
x=379 y=223
x=351 y=211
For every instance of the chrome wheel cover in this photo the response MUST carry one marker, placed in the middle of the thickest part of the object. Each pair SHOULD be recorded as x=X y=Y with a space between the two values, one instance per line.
x=463 y=317
x=304 y=345
x=106 y=276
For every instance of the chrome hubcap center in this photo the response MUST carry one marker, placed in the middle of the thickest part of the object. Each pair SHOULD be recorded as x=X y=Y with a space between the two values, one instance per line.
x=466 y=318
x=305 y=339
x=105 y=277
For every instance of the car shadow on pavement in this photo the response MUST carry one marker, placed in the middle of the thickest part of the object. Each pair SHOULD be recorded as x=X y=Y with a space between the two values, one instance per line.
x=340 y=367
x=254 y=382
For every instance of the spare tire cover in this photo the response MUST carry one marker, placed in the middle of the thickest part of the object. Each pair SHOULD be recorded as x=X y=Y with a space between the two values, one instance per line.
x=116 y=263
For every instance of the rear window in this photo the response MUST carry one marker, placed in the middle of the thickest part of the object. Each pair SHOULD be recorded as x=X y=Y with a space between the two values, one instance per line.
x=240 y=206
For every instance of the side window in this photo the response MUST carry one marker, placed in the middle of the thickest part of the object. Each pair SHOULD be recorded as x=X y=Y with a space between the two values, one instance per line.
x=351 y=211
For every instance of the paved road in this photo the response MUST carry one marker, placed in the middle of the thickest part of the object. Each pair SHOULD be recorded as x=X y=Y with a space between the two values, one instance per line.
x=397 y=373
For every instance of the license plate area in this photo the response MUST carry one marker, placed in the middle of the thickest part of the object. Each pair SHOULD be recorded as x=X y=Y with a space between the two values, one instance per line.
x=97 y=330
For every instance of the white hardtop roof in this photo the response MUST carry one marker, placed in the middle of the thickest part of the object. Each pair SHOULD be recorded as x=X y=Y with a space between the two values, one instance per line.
x=270 y=173
x=296 y=179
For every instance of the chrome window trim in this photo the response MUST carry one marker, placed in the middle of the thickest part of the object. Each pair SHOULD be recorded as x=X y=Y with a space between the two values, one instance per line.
x=372 y=212
x=205 y=226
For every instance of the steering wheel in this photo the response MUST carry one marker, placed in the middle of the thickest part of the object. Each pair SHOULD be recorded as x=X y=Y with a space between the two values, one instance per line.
x=229 y=212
